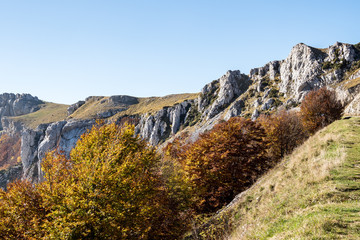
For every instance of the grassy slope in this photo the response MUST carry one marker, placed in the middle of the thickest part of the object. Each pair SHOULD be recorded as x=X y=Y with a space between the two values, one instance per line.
x=49 y=112
x=313 y=194
x=52 y=112
x=152 y=104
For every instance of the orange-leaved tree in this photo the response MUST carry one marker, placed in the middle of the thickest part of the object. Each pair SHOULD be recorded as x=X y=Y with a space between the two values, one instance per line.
x=320 y=108
x=224 y=162
x=22 y=212
x=284 y=131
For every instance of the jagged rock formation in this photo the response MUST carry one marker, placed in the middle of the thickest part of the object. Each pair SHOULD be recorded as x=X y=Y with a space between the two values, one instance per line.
x=230 y=86
x=61 y=135
x=278 y=84
x=72 y=108
x=158 y=127
x=214 y=98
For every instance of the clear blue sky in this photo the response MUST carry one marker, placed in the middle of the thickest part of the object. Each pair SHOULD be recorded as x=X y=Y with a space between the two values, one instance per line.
x=65 y=50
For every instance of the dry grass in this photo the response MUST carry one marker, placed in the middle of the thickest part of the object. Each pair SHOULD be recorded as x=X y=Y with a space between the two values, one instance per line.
x=92 y=107
x=350 y=83
x=313 y=193
x=48 y=113
x=302 y=197
x=153 y=104
x=145 y=105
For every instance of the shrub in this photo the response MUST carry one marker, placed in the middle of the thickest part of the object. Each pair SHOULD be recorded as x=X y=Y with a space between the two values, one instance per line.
x=320 y=108
x=284 y=132
x=22 y=212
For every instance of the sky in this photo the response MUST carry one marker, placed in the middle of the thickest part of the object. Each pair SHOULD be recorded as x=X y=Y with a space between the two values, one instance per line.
x=66 y=50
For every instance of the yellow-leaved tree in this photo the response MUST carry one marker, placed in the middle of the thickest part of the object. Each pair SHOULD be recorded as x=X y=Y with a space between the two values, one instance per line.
x=110 y=188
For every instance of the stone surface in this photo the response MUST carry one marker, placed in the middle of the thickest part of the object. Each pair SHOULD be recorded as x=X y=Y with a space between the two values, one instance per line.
x=267 y=104
x=61 y=135
x=72 y=108
x=301 y=70
x=255 y=115
x=122 y=99
x=17 y=104
x=354 y=107
x=159 y=126
x=235 y=109
x=271 y=69
x=231 y=85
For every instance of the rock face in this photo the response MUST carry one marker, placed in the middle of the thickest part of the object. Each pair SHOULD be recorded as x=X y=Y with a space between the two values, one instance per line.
x=164 y=123
x=218 y=95
x=61 y=135
x=17 y=104
x=354 y=107
x=301 y=70
x=272 y=69
x=214 y=98
x=277 y=84
x=307 y=68
x=123 y=99
x=72 y=108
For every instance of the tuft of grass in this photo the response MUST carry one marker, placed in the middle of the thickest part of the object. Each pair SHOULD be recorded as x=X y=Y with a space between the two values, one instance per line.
x=48 y=113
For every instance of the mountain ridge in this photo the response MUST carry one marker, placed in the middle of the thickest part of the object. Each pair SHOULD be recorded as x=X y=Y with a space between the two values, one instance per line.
x=276 y=85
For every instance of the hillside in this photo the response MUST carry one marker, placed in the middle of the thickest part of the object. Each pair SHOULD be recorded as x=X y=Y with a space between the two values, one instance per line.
x=313 y=193
x=47 y=113
x=277 y=85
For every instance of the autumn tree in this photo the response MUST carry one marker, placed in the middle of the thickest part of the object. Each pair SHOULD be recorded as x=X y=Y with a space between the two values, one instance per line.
x=111 y=187
x=284 y=131
x=225 y=161
x=320 y=108
x=22 y=212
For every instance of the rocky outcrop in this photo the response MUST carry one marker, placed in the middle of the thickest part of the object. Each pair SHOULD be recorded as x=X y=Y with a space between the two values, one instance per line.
x=10 y=126
x=214 y=98
x=301 y=70
x=17 y=104
x=222 y=92
x=61 y=135
x=122 y=100
x=72 y=108
x=235 y=109
x=271 y=69
x=308 y=68
x=159 y=126
x=354 y=107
